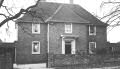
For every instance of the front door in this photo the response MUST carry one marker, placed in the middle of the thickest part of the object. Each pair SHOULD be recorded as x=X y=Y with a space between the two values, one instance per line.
x=67 y=47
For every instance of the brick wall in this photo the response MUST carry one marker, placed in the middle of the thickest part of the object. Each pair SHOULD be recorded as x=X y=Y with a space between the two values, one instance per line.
x=101 y=36
x=58 y=29
x=25 y=39
x=24 y=44
x=82 y=42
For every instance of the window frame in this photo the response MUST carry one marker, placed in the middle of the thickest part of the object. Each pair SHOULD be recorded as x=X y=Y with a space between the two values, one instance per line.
x=90 y=48
x=33 y=46
x=37 y=28
x=66 y=27
x=90 y=30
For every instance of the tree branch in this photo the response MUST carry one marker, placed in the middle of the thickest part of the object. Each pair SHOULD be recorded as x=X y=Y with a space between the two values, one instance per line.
x=112 y=17
x=13 y=17
x=19 y=13
x=7 y=10
x=110 y=14
x=1 y=3
x=111 y=2
x=3 y=15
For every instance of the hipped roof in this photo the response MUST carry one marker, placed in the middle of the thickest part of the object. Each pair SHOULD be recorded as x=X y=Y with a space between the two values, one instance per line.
x=59 y=12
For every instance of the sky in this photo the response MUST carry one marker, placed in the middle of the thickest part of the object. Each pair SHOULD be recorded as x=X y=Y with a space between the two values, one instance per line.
x=93 y=6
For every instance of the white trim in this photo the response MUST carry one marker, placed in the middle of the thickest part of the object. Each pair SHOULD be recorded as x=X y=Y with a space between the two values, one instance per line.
x=89 y=47
x=38 y=48
x=16 y=29
x=66 y=28
x=38 y=24
x=63 y=46
x=73 y=46
x=48 y=37
x=94 y=30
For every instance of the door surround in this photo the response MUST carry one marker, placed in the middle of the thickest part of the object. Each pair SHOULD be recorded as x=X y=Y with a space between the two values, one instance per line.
x=72 y=45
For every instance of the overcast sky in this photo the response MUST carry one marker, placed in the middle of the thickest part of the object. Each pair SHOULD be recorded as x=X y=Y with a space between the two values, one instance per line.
x=93 y=6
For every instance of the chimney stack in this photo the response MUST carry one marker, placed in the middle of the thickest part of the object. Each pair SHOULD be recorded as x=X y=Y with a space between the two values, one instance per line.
x=71 y=1
x=43 y=0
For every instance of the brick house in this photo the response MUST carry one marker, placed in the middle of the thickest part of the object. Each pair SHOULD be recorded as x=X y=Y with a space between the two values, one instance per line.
x=58 y=29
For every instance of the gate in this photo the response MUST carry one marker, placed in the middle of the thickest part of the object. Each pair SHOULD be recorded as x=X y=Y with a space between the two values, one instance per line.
x=6 y=55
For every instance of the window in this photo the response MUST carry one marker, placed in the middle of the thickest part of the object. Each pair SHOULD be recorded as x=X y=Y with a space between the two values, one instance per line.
x=92 y=30
x=92 y=47
x=68 y=28
x=36 y=28
x=35 y=47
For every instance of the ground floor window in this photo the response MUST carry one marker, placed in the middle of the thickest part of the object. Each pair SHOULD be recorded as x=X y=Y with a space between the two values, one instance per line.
x=35 y=47
x=92 y=47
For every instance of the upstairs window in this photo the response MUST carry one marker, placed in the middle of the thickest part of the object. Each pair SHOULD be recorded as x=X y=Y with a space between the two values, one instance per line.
x=36 y=28
x=92 y=47
x=35 y=47
x=68 y=28
x=92 y=30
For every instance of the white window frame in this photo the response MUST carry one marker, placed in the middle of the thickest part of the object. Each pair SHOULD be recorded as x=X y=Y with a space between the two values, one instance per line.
x=66 y=28
x=90 y=30
x=90 y=47
x=33 y=47
x=37 y=28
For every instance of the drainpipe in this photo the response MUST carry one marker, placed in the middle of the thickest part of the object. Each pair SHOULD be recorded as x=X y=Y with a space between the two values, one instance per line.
x=48 y=45
x=48 y=37
x=15 y=54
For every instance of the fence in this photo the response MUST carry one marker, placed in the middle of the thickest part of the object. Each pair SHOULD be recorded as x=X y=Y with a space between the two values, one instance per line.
x=6 y=62
x=7 y=51
x=56 y=60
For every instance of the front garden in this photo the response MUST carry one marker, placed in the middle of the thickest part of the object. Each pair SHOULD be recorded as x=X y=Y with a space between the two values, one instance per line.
x=100 y=59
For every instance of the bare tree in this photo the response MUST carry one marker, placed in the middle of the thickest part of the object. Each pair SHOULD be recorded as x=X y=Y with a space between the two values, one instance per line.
x=8 y=14
x=113 y=16
x=12 y=17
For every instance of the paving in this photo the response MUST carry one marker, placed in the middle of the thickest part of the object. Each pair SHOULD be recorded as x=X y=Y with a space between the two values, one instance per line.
x=43 y=66
x=31 y=66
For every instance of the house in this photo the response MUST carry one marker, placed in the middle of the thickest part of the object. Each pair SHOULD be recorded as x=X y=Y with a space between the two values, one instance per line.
x=57 y=28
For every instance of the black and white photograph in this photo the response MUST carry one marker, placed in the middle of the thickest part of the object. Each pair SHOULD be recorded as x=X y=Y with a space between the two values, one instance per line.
x=59 y=34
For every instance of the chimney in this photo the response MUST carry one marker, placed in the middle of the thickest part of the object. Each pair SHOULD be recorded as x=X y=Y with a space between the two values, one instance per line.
x=43 y=0
x=71 y=1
